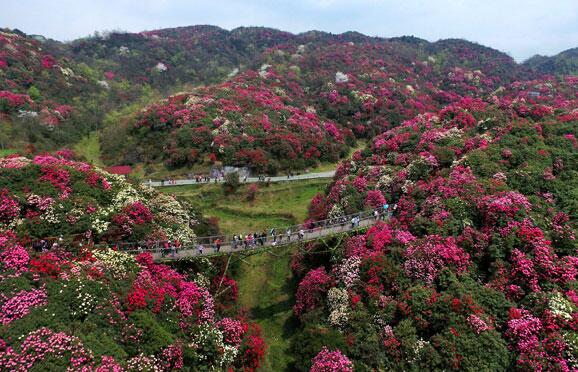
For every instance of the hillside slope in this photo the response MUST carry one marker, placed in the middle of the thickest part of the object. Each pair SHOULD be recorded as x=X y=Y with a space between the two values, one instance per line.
x=477 y=268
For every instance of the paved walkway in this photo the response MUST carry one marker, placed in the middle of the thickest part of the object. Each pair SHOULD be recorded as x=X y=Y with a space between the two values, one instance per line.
x=324 y=229
x=307 y=176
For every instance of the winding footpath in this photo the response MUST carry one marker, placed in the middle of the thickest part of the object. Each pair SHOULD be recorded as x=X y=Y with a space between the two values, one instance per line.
x=307 y=176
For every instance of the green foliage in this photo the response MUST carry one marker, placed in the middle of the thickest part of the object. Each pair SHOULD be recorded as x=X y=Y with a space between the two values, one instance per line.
x=231 y=183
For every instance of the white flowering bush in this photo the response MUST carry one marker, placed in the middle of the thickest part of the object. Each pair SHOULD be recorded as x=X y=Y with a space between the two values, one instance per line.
x=338 y=303
x=560 y=306
x=119 y=264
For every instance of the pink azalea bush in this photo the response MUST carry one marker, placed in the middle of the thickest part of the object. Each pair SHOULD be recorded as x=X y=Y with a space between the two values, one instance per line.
x=331 y=361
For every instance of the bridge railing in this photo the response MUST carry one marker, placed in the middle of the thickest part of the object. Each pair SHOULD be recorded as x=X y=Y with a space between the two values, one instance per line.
x=265 y=237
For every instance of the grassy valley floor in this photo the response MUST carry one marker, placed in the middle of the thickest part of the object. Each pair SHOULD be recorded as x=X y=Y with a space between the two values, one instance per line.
x=267 y=289
x=266 y=283
x=279 y=204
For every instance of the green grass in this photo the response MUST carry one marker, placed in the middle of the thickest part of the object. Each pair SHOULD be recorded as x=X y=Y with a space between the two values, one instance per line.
x=5 y=152
x=280 y=204
x=267 y=288
x=89 y=147
x=266 y=284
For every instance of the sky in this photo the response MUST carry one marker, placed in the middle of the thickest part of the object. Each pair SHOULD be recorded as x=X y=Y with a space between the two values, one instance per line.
x=521 y=28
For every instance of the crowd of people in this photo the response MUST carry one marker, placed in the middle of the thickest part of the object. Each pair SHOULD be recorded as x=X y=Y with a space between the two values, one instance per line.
x=217 y=178
x=44 y=246
x=169 y=248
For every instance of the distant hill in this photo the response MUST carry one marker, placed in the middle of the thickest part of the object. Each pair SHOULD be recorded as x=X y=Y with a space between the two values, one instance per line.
x=564 y=63
x=53 y=93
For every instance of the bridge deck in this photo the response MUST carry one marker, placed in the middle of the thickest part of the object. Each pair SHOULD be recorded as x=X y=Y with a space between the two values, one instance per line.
x=307 y=176
x=159 y=253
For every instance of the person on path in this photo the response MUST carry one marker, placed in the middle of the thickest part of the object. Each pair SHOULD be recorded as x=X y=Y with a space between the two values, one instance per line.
x=394 y=209
x=200 y=248
x=263 y=238
x=301 y=234
x=385 y=209
x=376 y=214
x=218 y=245
x=288 y=233
x=234 y=242
x=166 y=248
x=273 y=234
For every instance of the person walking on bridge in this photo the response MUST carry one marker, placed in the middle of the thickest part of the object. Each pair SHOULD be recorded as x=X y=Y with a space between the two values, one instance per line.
x=273 y=234
x=263 y=238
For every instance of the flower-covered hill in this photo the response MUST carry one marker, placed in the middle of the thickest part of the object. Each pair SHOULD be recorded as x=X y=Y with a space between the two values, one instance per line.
x=71 y=304
x=371 y=86
x=172 y=56
x=255 y=120
x=47 y=99
x=478 y=266
x=110 y=311
x=50 y=196
x=305 y=101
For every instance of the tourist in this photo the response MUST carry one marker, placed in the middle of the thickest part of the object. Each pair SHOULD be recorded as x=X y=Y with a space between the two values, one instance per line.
x=273 y=234
x=376 y=214
x=301 y=234
x=288 y=233
x=200 y=248
x=234 y=242
x=263 y=238
x=217 y=245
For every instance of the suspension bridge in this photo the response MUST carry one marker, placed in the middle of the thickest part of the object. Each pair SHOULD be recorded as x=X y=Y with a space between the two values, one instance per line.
x=228 y=244
x=201 y=180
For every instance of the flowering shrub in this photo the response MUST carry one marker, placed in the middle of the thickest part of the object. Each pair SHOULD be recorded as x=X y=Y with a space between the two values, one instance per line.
x=19 y=306
x=426 y=259
x=310 y=290
x=331 y=361
x=9 y=208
